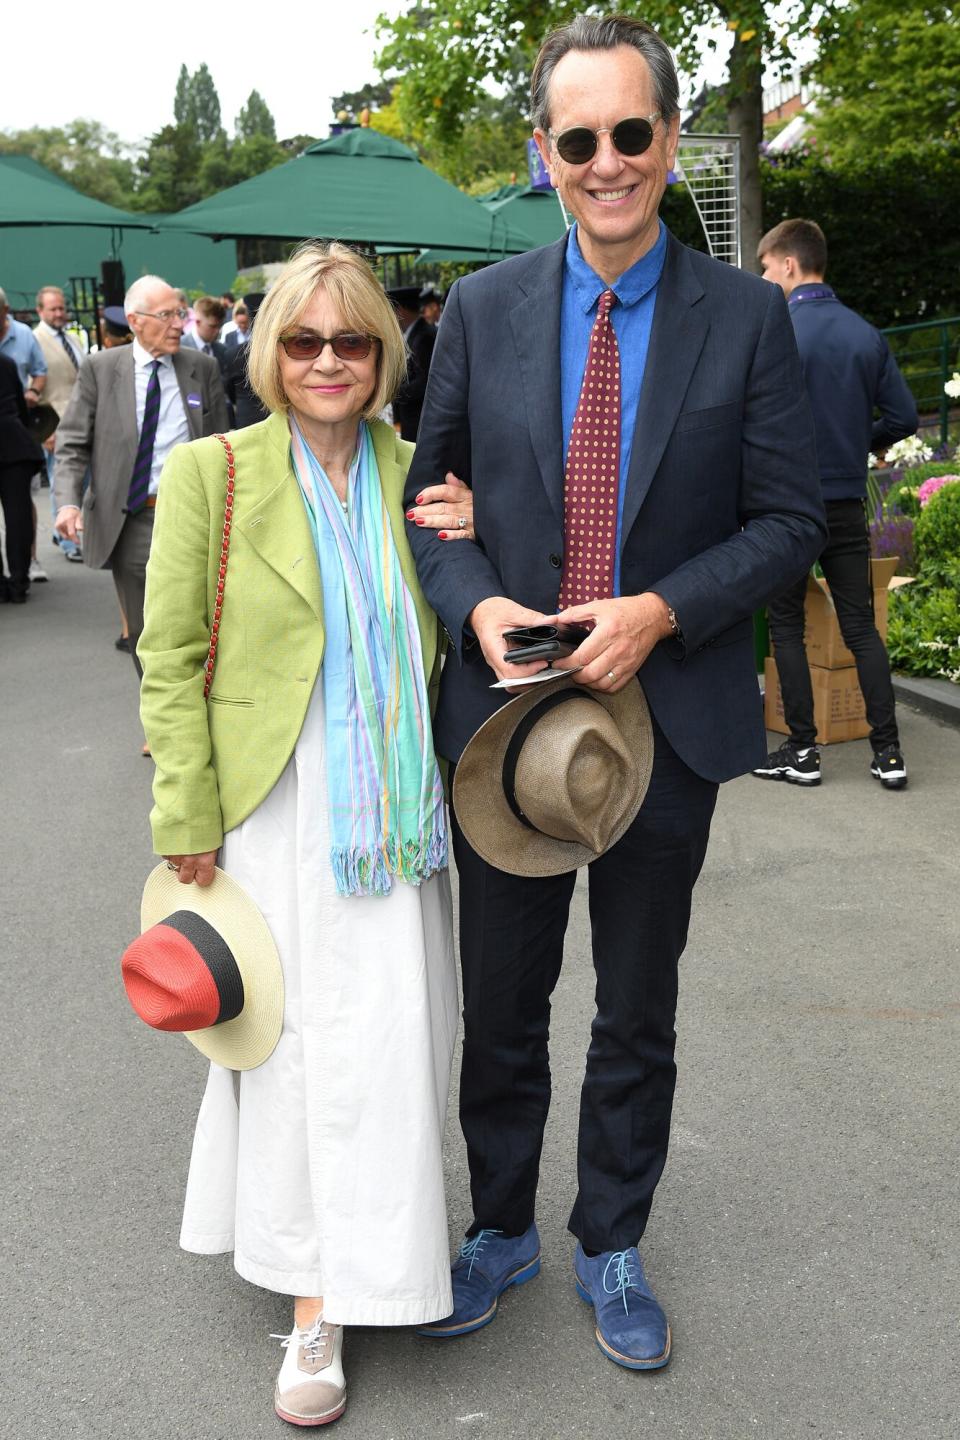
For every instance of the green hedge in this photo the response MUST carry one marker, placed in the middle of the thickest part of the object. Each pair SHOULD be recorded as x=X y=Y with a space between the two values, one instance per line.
x=891 y=228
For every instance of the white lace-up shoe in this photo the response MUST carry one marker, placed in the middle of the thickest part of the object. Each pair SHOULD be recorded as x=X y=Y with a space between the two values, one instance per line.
x=311 y=1389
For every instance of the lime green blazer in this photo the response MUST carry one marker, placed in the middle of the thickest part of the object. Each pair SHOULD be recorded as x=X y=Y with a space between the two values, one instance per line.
x=217 y=759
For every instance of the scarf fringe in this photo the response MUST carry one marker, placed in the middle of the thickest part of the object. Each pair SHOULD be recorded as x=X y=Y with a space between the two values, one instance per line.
x=371 y=871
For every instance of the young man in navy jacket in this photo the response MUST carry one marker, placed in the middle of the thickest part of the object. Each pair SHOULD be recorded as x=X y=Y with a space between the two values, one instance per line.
x=849 y=374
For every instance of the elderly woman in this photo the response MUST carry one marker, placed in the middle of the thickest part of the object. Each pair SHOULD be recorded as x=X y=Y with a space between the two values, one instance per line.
x=311 y=770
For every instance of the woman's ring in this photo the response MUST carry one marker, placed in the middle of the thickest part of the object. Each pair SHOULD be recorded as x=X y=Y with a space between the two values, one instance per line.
x=462 y=522
x=171 y=866
x=611 y=675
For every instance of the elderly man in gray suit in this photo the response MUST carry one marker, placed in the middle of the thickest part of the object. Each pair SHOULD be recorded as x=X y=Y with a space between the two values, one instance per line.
x=131 y=405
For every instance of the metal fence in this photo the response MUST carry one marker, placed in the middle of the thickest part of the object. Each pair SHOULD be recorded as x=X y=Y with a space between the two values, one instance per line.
x=928 y=354
x=710 y=167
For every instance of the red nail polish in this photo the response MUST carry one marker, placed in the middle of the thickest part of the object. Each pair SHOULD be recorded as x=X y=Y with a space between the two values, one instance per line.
x=409 y=514
x=419 y=500
x=442 y=535
x=420 y=522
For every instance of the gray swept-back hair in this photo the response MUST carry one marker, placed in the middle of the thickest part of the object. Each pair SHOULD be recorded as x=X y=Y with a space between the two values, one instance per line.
x=139 y=290
x=604 y=32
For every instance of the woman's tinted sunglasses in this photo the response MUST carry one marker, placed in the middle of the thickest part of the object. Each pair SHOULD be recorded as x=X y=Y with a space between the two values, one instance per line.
x=348 y=345
x=630 y=137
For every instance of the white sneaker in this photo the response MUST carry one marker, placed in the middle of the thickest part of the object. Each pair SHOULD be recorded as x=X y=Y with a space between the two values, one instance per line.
x=36 y=571
x=311 y=1389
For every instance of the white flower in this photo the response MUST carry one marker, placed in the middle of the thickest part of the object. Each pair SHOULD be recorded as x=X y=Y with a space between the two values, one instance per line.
x=911 y=451
x=952 y=387
x=871 y=461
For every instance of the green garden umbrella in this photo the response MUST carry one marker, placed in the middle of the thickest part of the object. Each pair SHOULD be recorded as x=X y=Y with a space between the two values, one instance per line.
x=536 y=212
x=26 y=198
x=359 y=186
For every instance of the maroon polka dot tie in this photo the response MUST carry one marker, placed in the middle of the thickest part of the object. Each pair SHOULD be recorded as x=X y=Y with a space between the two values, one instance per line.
x=592 y=477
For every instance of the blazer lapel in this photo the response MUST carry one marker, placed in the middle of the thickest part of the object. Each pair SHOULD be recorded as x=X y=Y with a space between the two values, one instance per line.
x=680 y=326
x=278 y=529
x=535 y=321
x=185 y=369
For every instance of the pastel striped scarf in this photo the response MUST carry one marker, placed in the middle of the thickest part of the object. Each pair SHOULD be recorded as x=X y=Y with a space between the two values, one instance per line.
x=385 y=796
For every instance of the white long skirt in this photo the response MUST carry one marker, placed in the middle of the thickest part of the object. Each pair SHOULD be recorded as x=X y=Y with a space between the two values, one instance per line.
x=323 y=1175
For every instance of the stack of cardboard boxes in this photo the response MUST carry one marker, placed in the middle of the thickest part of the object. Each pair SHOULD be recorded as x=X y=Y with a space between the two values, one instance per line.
x=837 y=702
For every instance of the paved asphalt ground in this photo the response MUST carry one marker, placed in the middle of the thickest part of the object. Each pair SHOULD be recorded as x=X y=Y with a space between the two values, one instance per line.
x=804 y=1238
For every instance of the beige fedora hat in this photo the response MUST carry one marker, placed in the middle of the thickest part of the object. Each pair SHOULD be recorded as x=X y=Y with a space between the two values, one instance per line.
x=555 y=777
x=207 y=967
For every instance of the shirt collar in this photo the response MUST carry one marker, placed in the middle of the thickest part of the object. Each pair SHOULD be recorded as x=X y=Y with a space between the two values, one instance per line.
x=142 y=358
x=815 y=289
x=632 y=285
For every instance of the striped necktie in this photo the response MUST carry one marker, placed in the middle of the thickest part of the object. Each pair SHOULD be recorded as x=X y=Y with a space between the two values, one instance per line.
x=140 y=481
x=69 y=349
x=592 y=481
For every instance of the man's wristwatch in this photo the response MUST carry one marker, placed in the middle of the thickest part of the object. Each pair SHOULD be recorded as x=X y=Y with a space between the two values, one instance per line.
x=674 y=623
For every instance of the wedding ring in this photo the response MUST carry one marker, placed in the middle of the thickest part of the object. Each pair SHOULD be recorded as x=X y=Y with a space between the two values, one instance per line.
x=611 y=675
x=462 y=522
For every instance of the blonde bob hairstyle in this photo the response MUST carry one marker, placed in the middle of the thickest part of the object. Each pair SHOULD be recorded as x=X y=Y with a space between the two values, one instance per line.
x=363 y=305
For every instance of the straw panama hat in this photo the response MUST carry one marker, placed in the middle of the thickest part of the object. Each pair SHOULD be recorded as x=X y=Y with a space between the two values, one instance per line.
x=555 y=778
x=206 y=965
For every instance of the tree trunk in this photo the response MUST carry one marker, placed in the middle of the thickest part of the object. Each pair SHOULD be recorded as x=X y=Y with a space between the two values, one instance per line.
x=745 y=118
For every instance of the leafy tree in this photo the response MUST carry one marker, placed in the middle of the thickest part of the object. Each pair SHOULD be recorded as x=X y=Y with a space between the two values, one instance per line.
x=255 y=119
x=445 y=55
x=196 y=104
x=375 y=96
x=183 y=99
x=87 y=155
x=170 y=170
x=206 y=105
x=890 y=80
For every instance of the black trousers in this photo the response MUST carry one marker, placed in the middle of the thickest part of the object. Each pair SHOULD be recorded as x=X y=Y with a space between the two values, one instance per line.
x=511 y=948
x=18 y=518
x=846 y=567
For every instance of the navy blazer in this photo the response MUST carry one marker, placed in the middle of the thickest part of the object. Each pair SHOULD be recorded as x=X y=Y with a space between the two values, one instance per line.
x=722 y=508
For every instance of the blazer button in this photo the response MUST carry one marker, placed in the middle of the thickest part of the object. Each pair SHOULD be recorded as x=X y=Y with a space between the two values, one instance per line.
x=555 y=561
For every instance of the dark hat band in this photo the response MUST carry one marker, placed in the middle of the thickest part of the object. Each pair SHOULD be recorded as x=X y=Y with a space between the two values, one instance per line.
x=216 y=955
x=517 y=739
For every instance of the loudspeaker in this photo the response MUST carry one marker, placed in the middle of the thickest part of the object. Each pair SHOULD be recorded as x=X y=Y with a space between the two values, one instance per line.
x=112 y=282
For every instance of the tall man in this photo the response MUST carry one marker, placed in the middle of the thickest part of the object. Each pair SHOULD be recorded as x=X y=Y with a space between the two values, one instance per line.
x=849 y=374
x=132 y=404
x=715 y=506
x=64 y=358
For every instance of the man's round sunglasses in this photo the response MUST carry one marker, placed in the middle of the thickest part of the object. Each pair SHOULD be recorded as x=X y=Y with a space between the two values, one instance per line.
x=348 y=345
x=630 y=137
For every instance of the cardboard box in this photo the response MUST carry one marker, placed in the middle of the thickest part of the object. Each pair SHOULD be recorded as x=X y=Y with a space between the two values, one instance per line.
x=838 y=708
x=822 y=636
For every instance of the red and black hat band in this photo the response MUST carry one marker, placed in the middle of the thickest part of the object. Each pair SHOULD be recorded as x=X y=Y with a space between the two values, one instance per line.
x=216 y=955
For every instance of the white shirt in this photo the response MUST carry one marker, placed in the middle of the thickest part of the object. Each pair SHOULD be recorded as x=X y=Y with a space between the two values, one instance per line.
x=172 y=425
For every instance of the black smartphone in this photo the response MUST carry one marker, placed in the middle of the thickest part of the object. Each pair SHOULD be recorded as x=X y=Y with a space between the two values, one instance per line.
x=543 y=642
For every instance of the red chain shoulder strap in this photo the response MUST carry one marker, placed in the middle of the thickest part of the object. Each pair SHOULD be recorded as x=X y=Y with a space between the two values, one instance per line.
x=222 y=576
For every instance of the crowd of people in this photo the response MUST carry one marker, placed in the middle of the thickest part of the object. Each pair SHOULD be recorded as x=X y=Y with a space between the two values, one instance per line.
x=635 y=457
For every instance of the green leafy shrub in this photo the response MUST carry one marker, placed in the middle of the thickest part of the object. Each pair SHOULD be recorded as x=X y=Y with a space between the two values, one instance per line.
x=937 y=536
x=902 y=495
x=923 y=637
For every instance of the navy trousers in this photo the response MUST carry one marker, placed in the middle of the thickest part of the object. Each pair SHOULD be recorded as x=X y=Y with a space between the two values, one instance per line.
x=511 y=947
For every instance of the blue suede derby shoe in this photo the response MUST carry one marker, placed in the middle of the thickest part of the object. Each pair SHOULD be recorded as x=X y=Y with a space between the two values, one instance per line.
x=632 y=1329
x=488 y=1263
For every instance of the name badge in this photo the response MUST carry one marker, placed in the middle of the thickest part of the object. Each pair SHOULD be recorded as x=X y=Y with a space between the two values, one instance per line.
x=194 y=401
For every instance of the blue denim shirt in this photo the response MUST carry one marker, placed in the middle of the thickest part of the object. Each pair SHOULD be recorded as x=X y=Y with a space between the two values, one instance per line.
x=22 y=346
